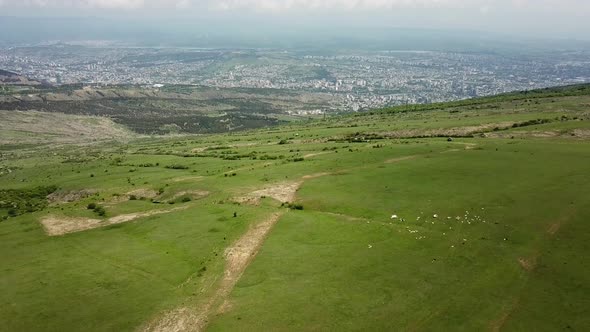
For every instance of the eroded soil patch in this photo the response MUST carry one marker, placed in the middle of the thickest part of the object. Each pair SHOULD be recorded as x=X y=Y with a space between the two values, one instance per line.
x=528 y=263
x=69 y=196
x=282 y=192
x=138 y=194
x=193 y=194
x=55 y=226
x=395 y=160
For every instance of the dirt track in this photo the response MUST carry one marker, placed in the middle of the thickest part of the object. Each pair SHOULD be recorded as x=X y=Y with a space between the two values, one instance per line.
x=237 y=257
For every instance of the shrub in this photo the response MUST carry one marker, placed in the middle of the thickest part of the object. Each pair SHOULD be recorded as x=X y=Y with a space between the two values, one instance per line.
x=296 y=207
x=132 y=198
x=19 y=201
x=100 y=211
x=91 y=206
x=12 y=212
x=185 y=199
x=177 y=166
x=293 y=206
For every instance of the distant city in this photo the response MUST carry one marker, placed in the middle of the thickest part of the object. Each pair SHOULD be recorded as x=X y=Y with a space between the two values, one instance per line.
x=356 y=80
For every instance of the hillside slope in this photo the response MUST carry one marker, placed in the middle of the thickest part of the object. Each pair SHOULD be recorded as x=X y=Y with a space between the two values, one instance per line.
x=456 y=217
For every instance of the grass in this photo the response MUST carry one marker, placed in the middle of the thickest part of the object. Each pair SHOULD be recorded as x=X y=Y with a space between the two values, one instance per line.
x=348 y=266
x=340 y=262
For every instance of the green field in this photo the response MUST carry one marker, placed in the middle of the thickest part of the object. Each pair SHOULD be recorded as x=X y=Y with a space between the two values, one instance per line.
x=491 y=230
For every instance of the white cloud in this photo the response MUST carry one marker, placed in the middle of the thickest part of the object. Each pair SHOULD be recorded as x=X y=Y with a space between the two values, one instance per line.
x=99 y=4
x=183 y=4
x=483 y=6
x=478 y=6
x=284 y=5
x=116 y=4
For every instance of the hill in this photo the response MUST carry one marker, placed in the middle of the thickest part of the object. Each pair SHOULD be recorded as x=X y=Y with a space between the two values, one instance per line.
x=460 y=216
x=7 y=77
x=171 y=109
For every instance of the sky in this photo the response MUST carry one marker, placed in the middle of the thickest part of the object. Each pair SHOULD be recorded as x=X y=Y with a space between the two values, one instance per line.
x=534 y=18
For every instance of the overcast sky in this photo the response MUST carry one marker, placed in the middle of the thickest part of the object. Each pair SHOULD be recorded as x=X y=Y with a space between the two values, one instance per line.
x=542 y=18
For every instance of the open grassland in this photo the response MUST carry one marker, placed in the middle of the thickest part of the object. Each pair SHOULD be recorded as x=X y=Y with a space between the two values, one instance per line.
x=292 y=228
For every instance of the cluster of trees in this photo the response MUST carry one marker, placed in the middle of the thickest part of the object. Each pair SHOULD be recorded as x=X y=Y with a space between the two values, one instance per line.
x=21 y=201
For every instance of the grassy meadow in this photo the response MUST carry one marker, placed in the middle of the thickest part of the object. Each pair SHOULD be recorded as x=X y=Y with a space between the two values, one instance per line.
x=490 y=229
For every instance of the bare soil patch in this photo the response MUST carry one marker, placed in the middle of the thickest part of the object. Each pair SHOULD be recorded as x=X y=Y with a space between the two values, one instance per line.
x=316 y=175
x=282 y=192
x=63 y=225
x=450 y=150
x=528 y=263
x=69 y=196
x=310 y=155
x=187 y=178
x=581 y=133
x=395 y=160
x=138 y=193
x=553 y=228
x=454 y=131
x=143 y=192
x=470 y=146
x=55 y=226
x=497 y=324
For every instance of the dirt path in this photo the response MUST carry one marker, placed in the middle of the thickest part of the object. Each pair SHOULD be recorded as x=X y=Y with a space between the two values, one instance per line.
x=395 y=160
x=529 y=265
x=311 y=155
x=237 y=258
x=496 y=325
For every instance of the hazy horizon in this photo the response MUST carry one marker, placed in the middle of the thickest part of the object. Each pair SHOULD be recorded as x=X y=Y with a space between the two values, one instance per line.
x=545 y=19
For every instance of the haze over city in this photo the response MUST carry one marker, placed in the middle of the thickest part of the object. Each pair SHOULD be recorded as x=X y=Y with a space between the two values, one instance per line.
x=564 y=19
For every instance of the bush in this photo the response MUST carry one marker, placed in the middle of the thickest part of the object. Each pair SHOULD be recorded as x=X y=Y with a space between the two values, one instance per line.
x=20 y=201
x=91 y=206
x=293 y=206
x=100 y=211
x=177 y=166
x=132 y=198
x=185 y=199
